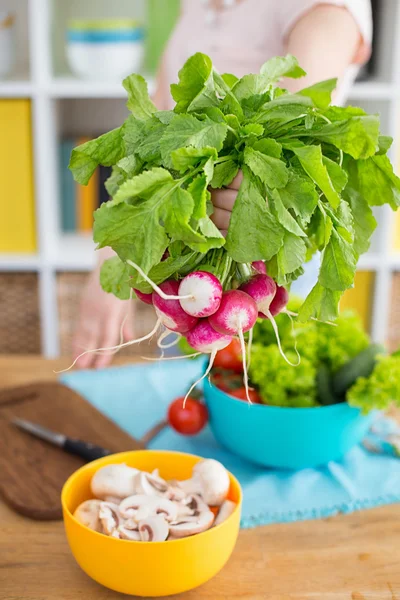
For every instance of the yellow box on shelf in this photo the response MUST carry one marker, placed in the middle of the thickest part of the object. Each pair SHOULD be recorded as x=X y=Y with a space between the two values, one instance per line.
x=360 y=297
x=17 y=205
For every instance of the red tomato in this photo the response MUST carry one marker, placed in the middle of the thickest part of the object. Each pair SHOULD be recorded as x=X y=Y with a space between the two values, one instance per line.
x=241 y=395
x=189 y=420
x=230 y=358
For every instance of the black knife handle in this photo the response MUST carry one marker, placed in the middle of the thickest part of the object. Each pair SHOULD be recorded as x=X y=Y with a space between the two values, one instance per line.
x=85 y=450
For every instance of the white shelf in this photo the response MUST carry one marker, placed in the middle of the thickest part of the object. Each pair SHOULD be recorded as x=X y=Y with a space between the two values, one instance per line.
x=71 y=87
x=373 y=90
x=16 y=88
x=74 y=252
x=19 y=262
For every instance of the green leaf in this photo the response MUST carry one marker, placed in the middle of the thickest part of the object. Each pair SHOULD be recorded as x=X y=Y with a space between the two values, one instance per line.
x=283 y=215
x=377 y=182
x=139 y=102
x=300 y=195
x=270 y=170
x=357 y=136
x=186 y=130
x=282 y=66
x=321 y=303
x=364 y=223
x=310 y=158
x=254 y=233
x=105 y=150
x=339 y=263
x=252 y=129
x=143 y=138
x=224 y=173
x=337 y=175
x=185 y=158
x=285 y=108
x=269 y=146
x=291 y=255
x=195 y=89
x=124 y=169
x=320 y=93
x=384 y=143
x=200 y=195
x=114 y=278
x=229 y=79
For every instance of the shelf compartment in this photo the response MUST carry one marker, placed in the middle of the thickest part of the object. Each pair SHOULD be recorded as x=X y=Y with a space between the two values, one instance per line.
x=69 y=292
x=360 y=298
x=394 y=318
x=19 y=313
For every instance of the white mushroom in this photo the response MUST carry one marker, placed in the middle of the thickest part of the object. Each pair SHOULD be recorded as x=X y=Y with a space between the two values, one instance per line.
x=150 y=484
x=210 y=480
x=110 y=518
x=224 y=512
x=112 y=499
x=140 y=506
x=114 y=480
x=128 y=534
x=191 y=525
x=87 y=513
x=153 y=529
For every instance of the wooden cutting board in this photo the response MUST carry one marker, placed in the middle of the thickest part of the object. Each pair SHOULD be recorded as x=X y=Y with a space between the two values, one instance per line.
x=33 y=472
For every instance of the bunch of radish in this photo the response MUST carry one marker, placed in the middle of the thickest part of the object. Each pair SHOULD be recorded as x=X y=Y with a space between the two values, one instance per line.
x=198 y=308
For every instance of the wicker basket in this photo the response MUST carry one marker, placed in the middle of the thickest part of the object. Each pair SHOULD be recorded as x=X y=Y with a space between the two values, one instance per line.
x=394 y=322
x=69 y=289
x=19 y=313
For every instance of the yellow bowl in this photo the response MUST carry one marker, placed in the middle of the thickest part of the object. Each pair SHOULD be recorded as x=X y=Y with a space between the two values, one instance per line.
x=148 y=568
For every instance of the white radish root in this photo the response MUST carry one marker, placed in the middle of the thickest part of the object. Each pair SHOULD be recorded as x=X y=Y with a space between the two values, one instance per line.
x=166 y=334
x=155 y=286
x=245 y=373
x=196 y=383
x=278 y=341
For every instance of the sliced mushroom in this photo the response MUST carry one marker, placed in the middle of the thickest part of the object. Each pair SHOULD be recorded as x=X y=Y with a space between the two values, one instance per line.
x=210 y=480
x=150 y=484
x=134 y=507
x=128 y=534
x=191 y=525
x=87 y=513
x=224 y=512
x=113 y=499
x=110 y=518
x=114 y=480
x=153 y=529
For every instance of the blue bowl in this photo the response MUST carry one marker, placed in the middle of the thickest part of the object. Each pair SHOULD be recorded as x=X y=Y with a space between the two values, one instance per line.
x=284 y=438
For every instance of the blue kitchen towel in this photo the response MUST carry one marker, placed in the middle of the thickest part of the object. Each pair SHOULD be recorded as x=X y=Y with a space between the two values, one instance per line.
x=136 y=397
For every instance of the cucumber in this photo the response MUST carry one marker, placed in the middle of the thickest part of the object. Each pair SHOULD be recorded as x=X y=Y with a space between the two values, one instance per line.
x=324 y=387
x=361 y=365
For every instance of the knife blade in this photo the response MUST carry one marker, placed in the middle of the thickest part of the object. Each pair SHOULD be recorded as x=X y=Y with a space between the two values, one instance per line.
x=85 y=450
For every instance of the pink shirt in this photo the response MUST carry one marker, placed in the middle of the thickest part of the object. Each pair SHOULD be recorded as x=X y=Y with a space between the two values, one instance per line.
x=248 y=33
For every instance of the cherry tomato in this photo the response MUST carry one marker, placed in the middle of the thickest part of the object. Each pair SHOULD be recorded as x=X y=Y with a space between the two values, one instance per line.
x=226 y=380
x=240 y=393
x=189 y=420
x=230 y=357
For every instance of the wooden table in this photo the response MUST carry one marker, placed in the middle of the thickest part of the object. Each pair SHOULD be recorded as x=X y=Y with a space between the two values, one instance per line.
x=348 y=557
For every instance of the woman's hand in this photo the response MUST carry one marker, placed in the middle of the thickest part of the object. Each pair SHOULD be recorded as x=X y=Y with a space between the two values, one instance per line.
x=223 y=201
x=100 y=319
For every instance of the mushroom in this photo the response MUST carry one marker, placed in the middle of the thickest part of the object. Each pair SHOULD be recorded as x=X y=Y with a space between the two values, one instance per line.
x=191 y=525
x=128 y=534
x=114 y=480
x=191 y=506
x=224 y=512
x=110 y=518
x=139 y=507
x=153 y=529
x=151 y=484
x=87 y=513
x=210 y=480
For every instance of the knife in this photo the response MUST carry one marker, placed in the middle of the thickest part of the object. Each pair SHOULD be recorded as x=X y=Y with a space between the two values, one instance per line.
x=85 y=450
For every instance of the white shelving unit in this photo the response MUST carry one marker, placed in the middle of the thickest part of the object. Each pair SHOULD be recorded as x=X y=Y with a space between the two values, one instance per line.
x=58 y=98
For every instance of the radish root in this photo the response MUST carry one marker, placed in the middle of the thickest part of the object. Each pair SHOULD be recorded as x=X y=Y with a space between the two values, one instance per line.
x=166 y=334
x=249 y=345
x=155 y=286
x=245 y=373
x=294 y=336
x=118 y=347
x=151 y=359
x=278 y=340
x=196 y=383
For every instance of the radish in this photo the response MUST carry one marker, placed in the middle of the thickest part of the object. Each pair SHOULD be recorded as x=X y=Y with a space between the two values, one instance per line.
x=237 y=312
x=146 y=298
x=259 y=266
x=206 y=292
x=205 y=339
x=280 y=300
x=262 y=289
x=170 y=312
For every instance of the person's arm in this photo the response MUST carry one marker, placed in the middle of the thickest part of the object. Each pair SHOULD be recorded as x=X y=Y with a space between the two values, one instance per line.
x=325 y=41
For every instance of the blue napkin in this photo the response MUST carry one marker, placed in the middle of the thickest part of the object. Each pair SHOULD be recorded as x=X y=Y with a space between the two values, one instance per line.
x=136 y=398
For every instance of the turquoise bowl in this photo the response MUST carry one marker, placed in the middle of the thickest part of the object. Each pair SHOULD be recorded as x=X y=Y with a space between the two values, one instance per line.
x=284 y=438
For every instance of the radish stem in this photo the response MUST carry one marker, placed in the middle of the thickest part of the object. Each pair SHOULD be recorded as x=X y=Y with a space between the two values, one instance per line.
x=275 y=328
x=155 y=286
x=118 y=347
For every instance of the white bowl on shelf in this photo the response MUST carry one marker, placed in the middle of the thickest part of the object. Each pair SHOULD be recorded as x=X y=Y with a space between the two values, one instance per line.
x=104 y=50
x=7 y=52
